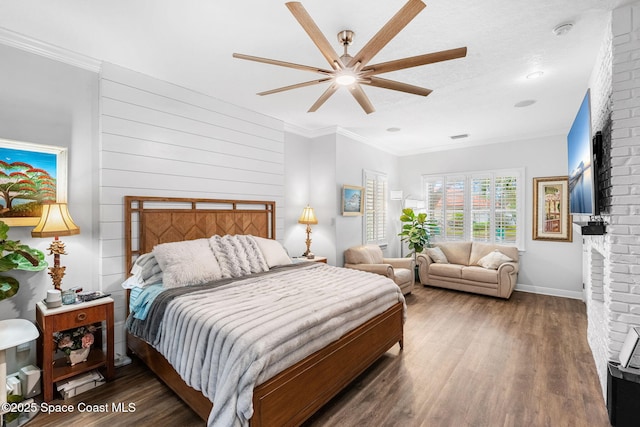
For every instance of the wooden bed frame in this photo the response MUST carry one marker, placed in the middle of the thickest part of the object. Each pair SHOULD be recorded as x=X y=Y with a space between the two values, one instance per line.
x=298 y=392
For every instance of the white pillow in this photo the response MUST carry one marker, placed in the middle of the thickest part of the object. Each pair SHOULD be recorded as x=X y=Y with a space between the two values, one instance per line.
x=273 y=252
x=437 y=255
x=493 y=260
x=190 y=262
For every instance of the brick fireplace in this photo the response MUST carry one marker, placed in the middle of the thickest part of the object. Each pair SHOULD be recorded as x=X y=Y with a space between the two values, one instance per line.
x=611 y=267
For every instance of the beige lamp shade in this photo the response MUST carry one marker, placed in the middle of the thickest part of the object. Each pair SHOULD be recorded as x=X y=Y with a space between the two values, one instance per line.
x=55 y=221
x=308 y=216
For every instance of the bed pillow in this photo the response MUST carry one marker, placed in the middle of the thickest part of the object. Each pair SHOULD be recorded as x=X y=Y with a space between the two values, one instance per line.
x=147 y=267
x=237 y=255
x=493 y=260
x=190 y=262
x=274 y=253
x=437 y=255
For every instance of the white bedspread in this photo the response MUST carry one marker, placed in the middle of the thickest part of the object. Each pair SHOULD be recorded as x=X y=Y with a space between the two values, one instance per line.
x=227 y=341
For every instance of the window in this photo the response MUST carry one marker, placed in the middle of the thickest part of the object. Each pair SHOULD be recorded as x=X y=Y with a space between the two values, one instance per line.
x=479 y=206
x=375 y=208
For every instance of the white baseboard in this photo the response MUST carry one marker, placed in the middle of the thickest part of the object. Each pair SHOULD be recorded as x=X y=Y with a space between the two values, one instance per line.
x=549 y=291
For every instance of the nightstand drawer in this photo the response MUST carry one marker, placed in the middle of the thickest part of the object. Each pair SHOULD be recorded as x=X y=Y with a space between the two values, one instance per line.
x=80 y=317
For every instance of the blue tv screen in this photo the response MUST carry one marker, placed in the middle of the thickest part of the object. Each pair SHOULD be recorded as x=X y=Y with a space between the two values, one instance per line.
x=581 y=168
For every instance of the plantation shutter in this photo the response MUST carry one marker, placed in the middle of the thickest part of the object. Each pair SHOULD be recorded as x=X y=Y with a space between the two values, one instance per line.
x=434 y=201
x=481 y=218
x=454 y=208
x=375 y=207
x=506 y=209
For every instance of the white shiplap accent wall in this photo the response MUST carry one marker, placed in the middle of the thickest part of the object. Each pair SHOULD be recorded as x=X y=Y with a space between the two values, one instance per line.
x=159 y=139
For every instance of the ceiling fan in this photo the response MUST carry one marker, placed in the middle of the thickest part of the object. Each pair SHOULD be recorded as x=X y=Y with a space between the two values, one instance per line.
x=353 y=71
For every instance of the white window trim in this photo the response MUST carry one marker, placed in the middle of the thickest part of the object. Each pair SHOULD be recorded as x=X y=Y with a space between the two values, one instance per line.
x=468 y=175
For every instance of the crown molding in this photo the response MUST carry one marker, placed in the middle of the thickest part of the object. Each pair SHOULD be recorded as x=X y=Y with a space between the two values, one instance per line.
x=57 y=53
x=329 y=130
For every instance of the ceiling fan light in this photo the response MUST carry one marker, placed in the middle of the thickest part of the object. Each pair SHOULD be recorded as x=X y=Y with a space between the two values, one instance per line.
x=345 y=79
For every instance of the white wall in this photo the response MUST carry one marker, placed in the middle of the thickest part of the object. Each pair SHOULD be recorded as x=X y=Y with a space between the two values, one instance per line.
x=352 y=157
x=297 y=178
x=613 y=260
x=545 y=267
x=327 y=163
x=47 y=102
x=322 y=195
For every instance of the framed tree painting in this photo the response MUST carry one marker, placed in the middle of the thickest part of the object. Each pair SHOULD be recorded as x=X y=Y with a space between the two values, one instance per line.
x=352 y=200
x=551 y=217
x=30 y=175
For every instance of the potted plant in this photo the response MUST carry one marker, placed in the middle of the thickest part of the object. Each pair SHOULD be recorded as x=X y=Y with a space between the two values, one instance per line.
x=415 y=231
x=16 y=256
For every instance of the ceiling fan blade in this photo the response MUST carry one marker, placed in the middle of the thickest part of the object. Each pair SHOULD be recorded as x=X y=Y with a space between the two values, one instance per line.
x=295 y=86
x=281 y=63
x=415 y=61
x=362 y=98
x=394 y=85
x=305 y=20
x=323 y=98
x=388 y=32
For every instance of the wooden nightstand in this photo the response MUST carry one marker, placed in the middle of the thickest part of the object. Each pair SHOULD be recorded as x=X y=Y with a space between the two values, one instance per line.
x=50 y=320
x=316 y=259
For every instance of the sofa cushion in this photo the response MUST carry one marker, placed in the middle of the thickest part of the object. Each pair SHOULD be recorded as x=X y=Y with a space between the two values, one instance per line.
x=493 y=260
x=456 y=252
x=446 y=270
x=479 y=250
x=437 y=255
x=479 y=274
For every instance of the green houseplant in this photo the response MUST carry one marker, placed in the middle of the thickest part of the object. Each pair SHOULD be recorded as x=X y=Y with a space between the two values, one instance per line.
x=16 y=256
x=415 y=231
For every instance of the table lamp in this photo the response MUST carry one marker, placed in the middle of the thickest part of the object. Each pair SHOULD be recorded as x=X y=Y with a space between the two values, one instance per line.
x=54 y=222
x=308 y=217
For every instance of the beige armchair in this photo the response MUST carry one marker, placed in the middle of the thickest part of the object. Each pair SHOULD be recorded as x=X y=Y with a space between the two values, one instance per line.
x=370 y=258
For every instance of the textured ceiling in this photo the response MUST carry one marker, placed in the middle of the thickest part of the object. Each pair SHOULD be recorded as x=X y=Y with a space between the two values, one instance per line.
x=190 y=43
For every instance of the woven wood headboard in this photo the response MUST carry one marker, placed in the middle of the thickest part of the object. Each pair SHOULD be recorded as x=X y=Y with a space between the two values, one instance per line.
x=153 y=220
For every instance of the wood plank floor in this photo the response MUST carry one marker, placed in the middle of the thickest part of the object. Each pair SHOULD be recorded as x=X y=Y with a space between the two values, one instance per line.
x=468 y=360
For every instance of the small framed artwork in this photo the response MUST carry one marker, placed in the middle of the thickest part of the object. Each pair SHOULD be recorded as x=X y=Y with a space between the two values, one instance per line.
x=352 y=200
x=551 y=217
x=30 y=175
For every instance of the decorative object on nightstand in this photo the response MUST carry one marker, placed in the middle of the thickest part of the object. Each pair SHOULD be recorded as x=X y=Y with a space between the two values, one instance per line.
x=55 y=222
x=308 y=217
x=75 y=343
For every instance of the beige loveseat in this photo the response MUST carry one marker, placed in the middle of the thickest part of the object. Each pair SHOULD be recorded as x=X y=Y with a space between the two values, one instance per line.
x=370 y=258
x=461 y=269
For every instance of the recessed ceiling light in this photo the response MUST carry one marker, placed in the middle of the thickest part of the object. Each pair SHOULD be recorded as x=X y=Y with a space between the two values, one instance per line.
x=393 y=130
x=563 y=29
x=462 y=135
x=525 y=103
x=535 y=75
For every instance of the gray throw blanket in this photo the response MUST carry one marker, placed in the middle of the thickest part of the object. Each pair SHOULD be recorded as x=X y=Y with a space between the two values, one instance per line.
x=226 y=338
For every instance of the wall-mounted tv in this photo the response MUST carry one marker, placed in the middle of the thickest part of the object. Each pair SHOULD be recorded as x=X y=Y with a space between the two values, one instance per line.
x=581 y=168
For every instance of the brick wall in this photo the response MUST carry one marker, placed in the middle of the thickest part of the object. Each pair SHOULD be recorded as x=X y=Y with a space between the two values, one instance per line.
x=612 y=282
